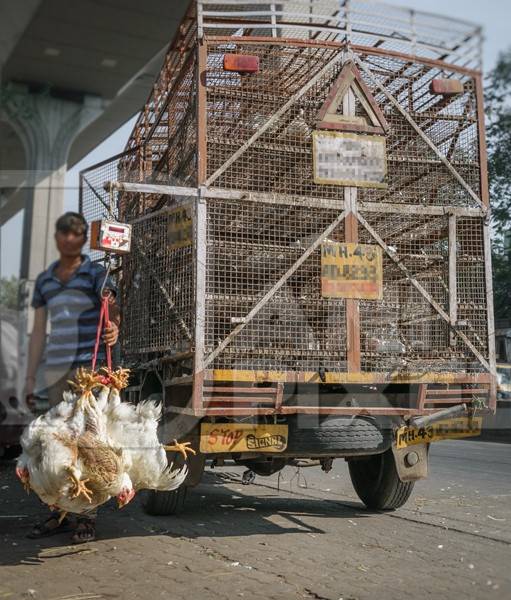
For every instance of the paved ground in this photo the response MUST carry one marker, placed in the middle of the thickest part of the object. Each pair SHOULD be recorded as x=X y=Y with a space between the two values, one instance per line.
x=309 y=539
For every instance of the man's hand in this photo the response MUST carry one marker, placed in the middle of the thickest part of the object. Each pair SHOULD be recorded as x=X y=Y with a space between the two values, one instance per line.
x=110 y=334
x=29 y=392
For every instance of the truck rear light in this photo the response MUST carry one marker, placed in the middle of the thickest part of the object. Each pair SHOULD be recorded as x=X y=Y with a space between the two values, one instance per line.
x=242 y=63
x=446 y=87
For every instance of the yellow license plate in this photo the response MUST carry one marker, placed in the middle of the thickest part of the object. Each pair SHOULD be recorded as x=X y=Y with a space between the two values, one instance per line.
x=443 y=430
x=241 y=437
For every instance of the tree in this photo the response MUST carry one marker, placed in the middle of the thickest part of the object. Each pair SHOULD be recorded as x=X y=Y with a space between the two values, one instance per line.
x=9 y=292
x=498 y=111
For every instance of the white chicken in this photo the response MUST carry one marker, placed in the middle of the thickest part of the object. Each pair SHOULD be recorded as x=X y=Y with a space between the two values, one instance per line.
x=88 y=449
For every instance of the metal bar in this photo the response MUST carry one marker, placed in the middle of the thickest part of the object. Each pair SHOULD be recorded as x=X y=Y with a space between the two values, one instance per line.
x=273 y=20
x=492 y=356
x=421 y=133
x=385 y=207
x=453 y=292
x=283 y=109
x=461 y=392
x=200 y=229
x=423 y=388
x=315 y=410
x=442 y=51
x=200 y=20
x=265 y=299
x=453 y=400
x=202 y=150
x=149 y=188
x=423 y=291
x=279 y=396
x=239 y=390
x=351 y=235
x=367 y=50
x=312 y=377
x=200 y=283
x=239 y=400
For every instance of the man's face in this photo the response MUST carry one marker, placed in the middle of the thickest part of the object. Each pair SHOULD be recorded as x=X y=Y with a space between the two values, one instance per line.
x=69 y=243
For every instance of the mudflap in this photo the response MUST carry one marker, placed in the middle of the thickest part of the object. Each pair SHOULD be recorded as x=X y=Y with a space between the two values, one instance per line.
x=411 y=462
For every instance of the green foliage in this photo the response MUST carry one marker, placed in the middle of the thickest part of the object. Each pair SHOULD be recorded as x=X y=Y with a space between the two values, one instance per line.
x=498 y=111
x=9 y=292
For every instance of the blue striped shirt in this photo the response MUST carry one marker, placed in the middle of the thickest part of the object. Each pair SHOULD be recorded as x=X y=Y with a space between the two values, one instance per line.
x=73 y=309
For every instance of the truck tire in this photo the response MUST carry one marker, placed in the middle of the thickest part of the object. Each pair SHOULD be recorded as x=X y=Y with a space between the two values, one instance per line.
x=164 y=503
x=349 y=436
x=377 y=483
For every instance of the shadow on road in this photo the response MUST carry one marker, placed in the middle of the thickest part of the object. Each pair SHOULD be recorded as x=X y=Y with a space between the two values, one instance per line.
x=216 y=508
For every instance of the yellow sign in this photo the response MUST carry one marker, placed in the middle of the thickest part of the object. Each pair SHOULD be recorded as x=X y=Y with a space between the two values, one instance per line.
x=443 y=430
x=242 y=437
x=180 y=227
x=351 y=271
x=349 y=159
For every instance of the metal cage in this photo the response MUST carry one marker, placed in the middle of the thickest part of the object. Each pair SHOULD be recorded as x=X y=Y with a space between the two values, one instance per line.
x=229 y=218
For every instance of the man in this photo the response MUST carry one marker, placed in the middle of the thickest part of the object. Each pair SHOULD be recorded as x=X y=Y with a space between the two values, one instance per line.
x=68 y=293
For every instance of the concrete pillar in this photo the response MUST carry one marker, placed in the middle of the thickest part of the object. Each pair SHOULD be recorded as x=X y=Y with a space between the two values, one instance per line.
x=47 y=126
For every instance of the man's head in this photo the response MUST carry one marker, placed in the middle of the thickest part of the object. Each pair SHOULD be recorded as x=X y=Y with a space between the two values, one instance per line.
x=70 y=234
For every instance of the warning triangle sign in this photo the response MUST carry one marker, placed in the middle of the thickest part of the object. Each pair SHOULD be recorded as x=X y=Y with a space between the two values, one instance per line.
x=336 y=113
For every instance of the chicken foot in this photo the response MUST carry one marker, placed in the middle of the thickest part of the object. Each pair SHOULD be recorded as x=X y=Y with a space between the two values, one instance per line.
x=79 y=488
x=180 y=447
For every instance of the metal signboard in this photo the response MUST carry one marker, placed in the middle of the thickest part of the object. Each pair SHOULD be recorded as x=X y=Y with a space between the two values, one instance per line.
x=180 y=227
x=351 y=271
x=349 y=159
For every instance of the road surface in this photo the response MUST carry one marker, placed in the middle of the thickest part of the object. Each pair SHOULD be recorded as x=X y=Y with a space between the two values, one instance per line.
x=301 y=535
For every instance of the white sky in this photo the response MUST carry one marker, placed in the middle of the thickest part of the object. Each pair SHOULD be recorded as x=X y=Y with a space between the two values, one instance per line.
x=493 y=15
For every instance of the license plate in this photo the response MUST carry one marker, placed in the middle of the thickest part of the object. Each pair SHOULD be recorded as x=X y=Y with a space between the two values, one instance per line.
x=443 y=430
x=242 y=437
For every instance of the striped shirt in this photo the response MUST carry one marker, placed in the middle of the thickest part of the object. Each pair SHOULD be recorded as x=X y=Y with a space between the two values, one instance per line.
x=73 y=309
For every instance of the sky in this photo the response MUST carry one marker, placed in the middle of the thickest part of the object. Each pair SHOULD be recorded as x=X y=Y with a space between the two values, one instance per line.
x=493 y=15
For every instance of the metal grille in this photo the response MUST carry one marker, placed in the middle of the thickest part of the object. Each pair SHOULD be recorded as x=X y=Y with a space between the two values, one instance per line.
x=158 y=291
x=405 y=332
x=264 y=208
x=280 y=160
x=250 y=245
x=359 y=22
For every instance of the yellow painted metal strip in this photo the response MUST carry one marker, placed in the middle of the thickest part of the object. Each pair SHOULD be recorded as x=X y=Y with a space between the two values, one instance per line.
x=354 y=378
x=242 y=437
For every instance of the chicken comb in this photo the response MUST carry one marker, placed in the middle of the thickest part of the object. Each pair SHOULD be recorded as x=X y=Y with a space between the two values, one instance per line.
x=85 y=380
x=119 y=378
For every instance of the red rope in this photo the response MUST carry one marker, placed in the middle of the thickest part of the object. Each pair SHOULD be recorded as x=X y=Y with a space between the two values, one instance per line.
x=104 y=321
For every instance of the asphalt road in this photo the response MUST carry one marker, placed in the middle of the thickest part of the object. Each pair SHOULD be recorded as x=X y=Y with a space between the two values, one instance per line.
x=303 y=535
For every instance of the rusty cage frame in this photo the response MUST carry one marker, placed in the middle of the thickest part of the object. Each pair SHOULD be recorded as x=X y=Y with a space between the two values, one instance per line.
x=222 y=292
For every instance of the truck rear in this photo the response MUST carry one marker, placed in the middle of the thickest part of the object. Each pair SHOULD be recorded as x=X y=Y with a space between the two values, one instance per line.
x=310 y=274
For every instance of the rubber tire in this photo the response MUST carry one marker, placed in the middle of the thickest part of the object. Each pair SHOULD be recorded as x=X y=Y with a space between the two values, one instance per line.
x=377 y=483
x=164 y=503
x=344 y=435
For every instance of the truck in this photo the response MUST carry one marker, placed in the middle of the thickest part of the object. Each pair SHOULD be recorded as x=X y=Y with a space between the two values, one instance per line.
x=310 y=270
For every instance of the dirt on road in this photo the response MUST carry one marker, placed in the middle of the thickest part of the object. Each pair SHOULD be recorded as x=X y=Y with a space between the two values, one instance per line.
x=302 y=534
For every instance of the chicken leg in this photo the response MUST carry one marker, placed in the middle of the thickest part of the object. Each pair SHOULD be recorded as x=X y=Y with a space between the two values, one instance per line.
x=24 y=476
x=79 y=488
x=180 y=447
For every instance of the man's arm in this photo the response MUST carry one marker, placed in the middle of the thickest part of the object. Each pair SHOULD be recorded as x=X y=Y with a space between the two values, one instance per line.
x=35 y=349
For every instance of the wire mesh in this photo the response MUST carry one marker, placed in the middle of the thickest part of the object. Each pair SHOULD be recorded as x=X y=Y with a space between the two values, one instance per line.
x=359 y=22
x=250 y=246
x=253 y=241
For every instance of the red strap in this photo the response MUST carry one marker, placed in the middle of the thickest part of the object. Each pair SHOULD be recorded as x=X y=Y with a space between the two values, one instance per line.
x=104 y=320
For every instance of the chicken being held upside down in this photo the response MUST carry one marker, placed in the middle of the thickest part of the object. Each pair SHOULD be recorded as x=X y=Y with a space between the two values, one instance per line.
x=90 y=448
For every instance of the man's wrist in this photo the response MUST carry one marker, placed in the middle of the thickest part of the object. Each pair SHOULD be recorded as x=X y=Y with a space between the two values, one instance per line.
x=30 y=378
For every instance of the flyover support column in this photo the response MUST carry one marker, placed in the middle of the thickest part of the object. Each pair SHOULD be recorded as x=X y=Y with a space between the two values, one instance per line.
x=47 y=126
